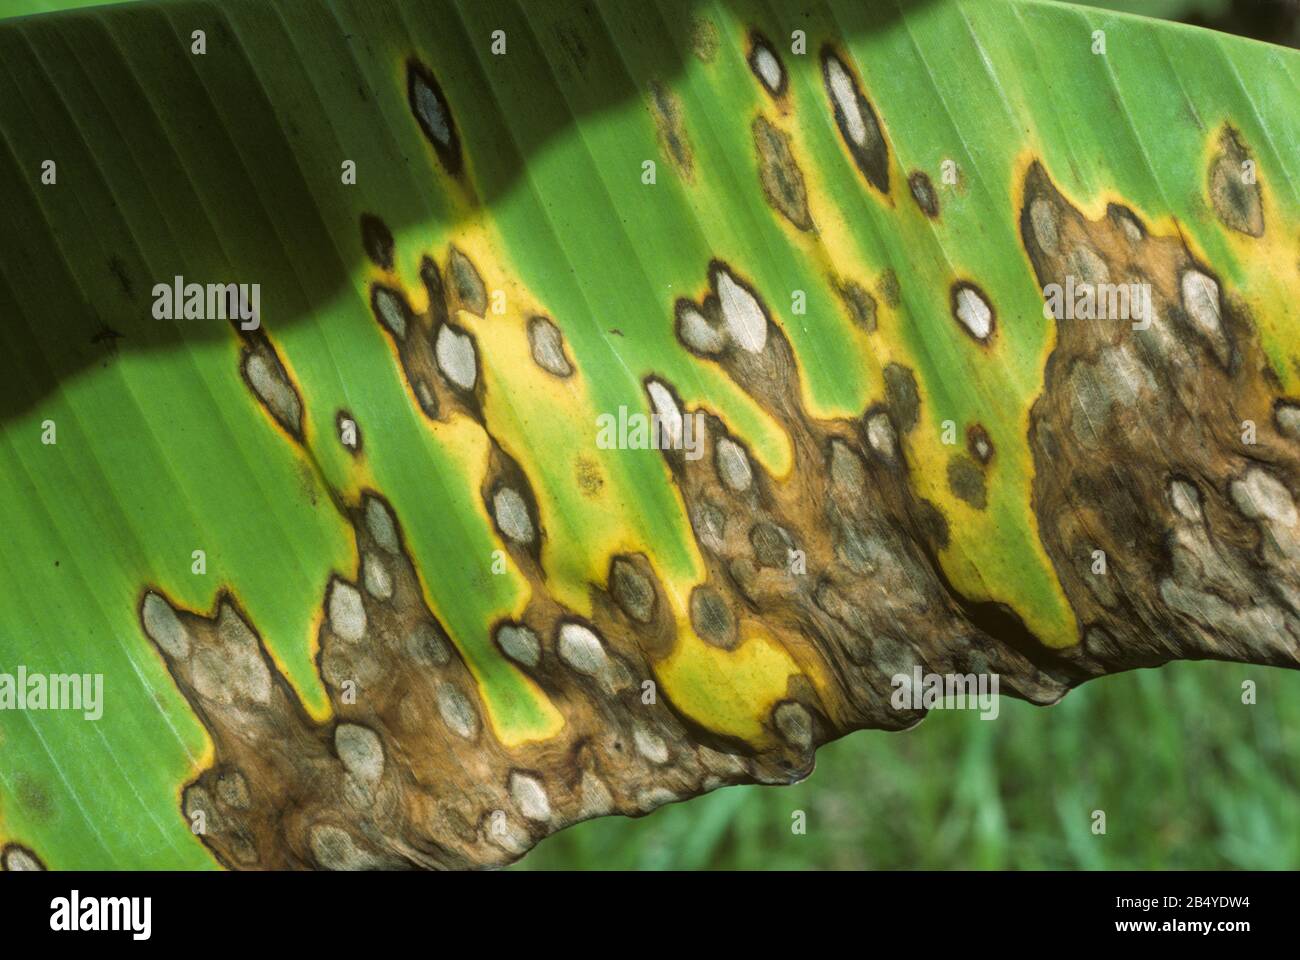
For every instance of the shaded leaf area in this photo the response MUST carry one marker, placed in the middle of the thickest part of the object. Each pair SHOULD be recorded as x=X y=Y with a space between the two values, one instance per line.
x=390 y=581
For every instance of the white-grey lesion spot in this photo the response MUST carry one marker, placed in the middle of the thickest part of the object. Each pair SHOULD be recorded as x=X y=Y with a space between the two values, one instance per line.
x=669 y=413
x=270 y=382
x=857 y=121
x=1287 y=417
x=19 y=859
x=1203 y=305
x=466 y=282
x=1261 y=496
x=380 y=523
x=973 y=311
x=457 y=712
x=742 y=315
x=697 y=332
x=511 y=514
x=334 y=849
x=651 y=798
x=581 y=649
x=519 y=643
x=1088 y=265
x=733 y=465
x=1046 y=226
x=433 y=114
x=547 y=346
x=712 y=618
x=347 y=612
x=360 y=752
x=457 y=357
x=882 y=437
x=631 y=590
x=1185 y=499
x=376 y=576
x=650 y=745
x=425 y=645
x=594 y=796
x=794 y=724
x=390 y=309
x=163 y=627
x=766 y=65
x=530 y=797
x=233 y=669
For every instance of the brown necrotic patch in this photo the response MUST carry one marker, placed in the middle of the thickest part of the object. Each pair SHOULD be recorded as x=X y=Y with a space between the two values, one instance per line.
x=858 y=302
x=432 y=112
x=377 y=241
x=1139 y=455
x=978 y=443
x=836 y=559
x=856 y=117
x=704 y=39
x=889 y=288
x=966 y=481
x=765 y=63
x=1233 y=185
x=666 y=109
x=901 y=395
x=923 y=193
x=780 y=175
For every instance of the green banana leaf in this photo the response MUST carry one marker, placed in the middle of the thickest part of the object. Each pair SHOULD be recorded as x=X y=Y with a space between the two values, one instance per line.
x=389 y=578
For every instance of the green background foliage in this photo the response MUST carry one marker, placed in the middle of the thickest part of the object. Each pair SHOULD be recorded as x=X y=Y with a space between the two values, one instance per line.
x=1189 y=777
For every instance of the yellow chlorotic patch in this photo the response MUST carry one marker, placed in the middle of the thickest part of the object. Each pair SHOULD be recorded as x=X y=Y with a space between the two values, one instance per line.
x=728 y=691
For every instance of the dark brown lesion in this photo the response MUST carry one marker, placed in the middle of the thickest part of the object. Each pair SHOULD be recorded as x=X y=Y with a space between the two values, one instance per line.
x=870 y=150
x=837 y=559
x=1235 y=194
x=407 y=770
x=979 y=443
x=966 y=480
x=779 y=173
x=433 y=113
x=1139 y=451
x=670 y=124
x=453 y=383
x=857 y=301
x=923 y=193
x=377 y=241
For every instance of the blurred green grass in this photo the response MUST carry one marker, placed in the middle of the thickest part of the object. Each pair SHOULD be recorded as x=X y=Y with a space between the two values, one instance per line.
x=1188 y=776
